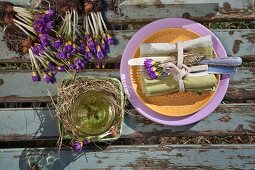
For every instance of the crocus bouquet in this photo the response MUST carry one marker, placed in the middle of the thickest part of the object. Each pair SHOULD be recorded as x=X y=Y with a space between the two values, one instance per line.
x=53 y=37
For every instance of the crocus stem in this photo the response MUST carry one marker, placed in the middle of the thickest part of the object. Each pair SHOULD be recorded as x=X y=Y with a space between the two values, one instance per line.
x=32 y=62
x=99 y=23
x=91 y=26
x=52 y=59
x=23 y=19
x=42 y=62
x=25 y=15
x=94 y=22
x=74 y=25
x=87 y=25
x=31 y=29
x=36 y=65
x=100 y=15
x=69 y=24
x=24 y=30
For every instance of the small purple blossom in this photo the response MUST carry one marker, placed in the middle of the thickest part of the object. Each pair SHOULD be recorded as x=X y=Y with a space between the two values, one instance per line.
x=35 y=77
x=100 y=54
x=61 y=68
x=91 y=45
x=86 y=142
x=52 y=66
x=49 y=78
x=38 y=27
x=77 y=146
x=88 y=54
x=45 y=39
x=58 y=43
x=108 y=39
x=104 y=47
x=68 y=51
x=38 y=49
x=50 y=13
x=152 y=73
x=148 y=63
x=80 y=64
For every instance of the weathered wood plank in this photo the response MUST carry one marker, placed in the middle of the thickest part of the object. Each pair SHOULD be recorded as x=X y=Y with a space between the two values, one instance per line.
x=36 y=124
x=131 y=11
x=17 y=86
x=238 y=42
x=133 y=157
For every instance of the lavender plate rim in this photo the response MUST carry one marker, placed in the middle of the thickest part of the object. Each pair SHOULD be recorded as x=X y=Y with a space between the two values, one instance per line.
x=126 y=80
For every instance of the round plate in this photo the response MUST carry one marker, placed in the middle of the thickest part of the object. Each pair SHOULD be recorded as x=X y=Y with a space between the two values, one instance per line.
x=174 y=104
x=130 y=50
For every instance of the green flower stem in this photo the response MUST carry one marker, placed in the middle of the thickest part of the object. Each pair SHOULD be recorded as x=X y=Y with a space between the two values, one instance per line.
x=91 y=26
x=100 y=23
x=25 y=15
x=74 y=25
x=52 y=59
x=25 y=20
x=102 y=20
x=69 y=24
x=31 y=29
x=94 y=22
x=87 y=25
x=35 y=62
x=42 y=61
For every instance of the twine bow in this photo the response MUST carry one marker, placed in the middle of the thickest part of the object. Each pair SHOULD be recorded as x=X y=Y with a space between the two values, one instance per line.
x=179 y=71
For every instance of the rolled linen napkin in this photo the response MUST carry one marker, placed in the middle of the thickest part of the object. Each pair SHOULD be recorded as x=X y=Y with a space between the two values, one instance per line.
x=152 y=86
x=166 y=85
x=194 y=50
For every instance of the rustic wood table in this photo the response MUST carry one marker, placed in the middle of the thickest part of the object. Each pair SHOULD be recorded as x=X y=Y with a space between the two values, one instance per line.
x=27 y=130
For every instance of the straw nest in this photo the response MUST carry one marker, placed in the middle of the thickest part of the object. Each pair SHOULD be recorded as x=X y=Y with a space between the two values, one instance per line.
x=70 y=89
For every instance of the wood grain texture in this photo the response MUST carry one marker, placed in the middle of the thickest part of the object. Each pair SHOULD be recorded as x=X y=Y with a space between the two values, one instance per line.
x=133 y=11
x=17 y=86
x=37 y=124
x=133 y=157
x=239 y=42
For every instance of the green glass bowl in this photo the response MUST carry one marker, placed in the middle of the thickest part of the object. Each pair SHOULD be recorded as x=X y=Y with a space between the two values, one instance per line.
x=93 y=112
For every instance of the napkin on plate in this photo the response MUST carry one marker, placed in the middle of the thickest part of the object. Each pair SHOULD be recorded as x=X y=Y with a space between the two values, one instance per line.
x=202 y=47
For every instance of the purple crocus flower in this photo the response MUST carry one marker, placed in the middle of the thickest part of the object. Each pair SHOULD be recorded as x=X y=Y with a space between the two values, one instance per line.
x=50 y=13
x=86 y=142
x=49 y=78
x=148 y=63
x=108 y=39
x=88 y=54
x=35 y=77
x=100 y=54
x=92 y=45
x=152 y=73
x=45 y=39
x=52 y=66
x=62 y=55
x=77 y=146
x=104 y=47
x=97 y=65
x=38 y=49
x=58 y=43
x=61 y=68
x=80 y=64
x=38 y=27
x=49 y=25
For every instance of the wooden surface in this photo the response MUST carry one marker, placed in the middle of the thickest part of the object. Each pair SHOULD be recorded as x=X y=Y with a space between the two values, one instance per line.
x=135 y=11
x=241 y=87
x=133 y=157
x=28 y=124
x=237 y=42
x=35 y=124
